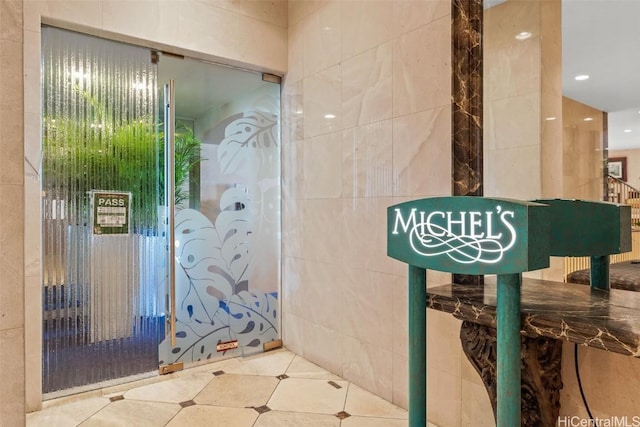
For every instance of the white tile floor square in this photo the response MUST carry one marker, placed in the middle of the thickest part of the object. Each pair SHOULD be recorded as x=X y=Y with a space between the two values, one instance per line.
x=246 y=394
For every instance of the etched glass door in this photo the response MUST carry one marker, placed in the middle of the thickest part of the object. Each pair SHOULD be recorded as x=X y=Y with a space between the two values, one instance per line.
x=227 y=211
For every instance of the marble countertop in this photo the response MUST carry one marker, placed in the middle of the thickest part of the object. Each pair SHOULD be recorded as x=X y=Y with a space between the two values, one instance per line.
x=557 y=310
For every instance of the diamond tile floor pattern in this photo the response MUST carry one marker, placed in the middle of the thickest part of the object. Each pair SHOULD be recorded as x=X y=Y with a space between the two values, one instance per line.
x=275 y=389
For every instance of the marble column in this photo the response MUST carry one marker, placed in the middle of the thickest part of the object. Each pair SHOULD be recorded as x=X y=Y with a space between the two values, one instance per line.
x=12 y=355
x=466 y=104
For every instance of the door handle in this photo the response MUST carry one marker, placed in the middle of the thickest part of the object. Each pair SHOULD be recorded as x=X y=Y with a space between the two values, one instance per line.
x=169 y=165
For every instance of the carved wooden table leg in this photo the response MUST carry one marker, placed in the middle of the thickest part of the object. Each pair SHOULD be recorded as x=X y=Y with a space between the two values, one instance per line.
x=541 y=375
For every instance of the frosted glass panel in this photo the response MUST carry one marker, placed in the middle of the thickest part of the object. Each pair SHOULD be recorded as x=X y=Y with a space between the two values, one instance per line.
x=228 y=225
x=101 y=289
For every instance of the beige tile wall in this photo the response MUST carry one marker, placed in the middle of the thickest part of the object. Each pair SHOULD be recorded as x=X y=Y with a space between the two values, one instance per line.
x=611 y=384
x=12 y=314
x=382 y=68
x=582 y=143
x=251 y=34
x=523 y=86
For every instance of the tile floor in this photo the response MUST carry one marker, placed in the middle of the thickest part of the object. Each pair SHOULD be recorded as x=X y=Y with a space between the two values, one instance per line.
x=275 y=389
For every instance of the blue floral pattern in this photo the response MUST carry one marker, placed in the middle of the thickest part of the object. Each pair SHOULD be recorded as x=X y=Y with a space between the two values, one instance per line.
x=214 y=303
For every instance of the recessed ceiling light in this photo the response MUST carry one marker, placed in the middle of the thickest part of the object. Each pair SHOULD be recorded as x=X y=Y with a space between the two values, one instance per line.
x=550 y=118
x=581 y=77
x=627 y=130
x=523 y=35
x=329 y=116
x=588 y=119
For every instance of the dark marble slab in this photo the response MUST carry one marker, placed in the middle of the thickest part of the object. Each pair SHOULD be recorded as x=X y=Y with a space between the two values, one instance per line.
x=556 y=310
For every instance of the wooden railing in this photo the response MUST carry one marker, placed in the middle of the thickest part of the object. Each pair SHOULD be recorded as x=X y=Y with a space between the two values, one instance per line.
x=621 y=192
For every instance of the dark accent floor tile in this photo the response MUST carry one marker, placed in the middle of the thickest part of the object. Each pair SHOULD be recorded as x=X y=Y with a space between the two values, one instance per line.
x=342 y=415
x=262 y=409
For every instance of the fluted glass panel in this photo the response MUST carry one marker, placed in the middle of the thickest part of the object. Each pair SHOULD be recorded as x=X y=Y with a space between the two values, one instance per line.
x=101 y=284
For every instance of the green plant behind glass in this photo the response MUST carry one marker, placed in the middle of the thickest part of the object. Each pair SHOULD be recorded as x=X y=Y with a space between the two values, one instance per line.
x=99 y=152
x=187 y=157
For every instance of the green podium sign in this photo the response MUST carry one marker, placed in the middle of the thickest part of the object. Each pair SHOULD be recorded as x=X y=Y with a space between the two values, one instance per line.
x=470 y=235
x=588 y=228
x=475 y=235
x=593 y=229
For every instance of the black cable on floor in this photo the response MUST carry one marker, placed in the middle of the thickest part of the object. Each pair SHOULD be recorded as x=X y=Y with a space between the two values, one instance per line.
x=584 y=399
